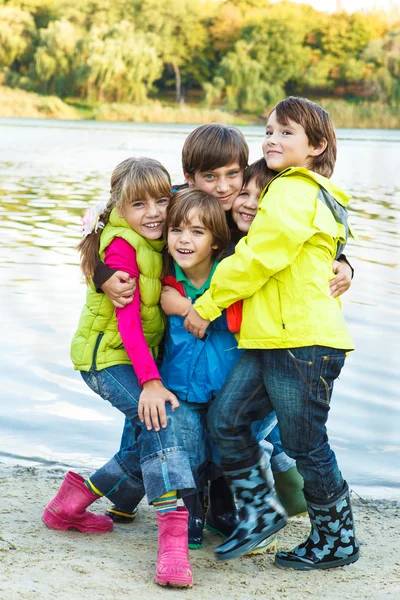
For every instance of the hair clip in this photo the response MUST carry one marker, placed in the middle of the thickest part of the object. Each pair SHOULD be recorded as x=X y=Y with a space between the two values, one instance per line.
x=91 y=220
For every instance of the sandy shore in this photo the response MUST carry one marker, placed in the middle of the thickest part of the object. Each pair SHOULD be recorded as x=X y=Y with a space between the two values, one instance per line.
x=38 y=563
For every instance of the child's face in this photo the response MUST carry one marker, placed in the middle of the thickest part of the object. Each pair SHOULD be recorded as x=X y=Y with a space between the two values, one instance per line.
x=244 y=208
x=223 y=183
x=191 y=244
x=286 y=145
x=146 y=217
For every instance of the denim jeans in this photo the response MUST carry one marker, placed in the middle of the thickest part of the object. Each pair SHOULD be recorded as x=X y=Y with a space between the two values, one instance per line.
x=158 y=459
x=280 y=461
x=201 y=449
x=297 y=383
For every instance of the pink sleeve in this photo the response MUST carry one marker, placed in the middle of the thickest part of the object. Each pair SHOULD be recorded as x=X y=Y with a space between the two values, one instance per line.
x=121 y=256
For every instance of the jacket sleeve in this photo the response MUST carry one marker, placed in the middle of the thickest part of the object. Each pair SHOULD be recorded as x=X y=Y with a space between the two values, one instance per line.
x=120 y=255
x=284 y=222
x=102 y=274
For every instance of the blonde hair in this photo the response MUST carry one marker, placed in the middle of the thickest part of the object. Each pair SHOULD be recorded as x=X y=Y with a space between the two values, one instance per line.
x=210 y=213
x=133 y=179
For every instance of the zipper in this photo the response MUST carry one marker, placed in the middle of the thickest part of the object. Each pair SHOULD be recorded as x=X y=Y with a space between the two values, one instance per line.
x=96 y=347
x=280 y=305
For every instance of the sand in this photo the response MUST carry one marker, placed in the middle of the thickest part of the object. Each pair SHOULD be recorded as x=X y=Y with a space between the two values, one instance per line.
x=39 y=563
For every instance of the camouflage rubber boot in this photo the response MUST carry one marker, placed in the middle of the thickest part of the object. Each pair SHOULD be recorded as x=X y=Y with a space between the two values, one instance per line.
x=260 y=512
x=331 y=543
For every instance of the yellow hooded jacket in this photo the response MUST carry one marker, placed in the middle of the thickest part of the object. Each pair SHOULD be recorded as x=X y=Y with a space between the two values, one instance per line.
x=282 y=268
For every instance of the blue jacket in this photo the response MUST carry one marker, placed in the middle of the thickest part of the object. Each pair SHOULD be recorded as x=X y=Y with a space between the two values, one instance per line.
x=194 y=369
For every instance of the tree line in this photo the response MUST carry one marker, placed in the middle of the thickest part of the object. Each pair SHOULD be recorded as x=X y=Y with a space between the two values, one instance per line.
x=243 y=55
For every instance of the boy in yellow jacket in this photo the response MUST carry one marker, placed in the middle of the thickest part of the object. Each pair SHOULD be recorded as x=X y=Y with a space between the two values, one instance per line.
x=296 y=340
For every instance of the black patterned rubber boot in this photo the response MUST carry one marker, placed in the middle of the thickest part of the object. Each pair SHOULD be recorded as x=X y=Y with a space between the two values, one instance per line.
x=221 y=515
x=125 y=492
x=331 y=543
x=195 y=506
x=120 y=515
x=260 y=512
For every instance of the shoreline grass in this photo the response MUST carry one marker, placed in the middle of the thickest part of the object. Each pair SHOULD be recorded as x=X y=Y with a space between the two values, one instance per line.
x=345 y=114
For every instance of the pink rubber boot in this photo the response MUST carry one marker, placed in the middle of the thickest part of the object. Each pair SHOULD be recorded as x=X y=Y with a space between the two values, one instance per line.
x=67 y=509
x=173 y=566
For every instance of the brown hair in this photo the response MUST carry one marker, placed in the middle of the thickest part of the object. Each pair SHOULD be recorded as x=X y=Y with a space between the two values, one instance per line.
x=213 y=146
x=210 y=212
x=259 y=171
x=132 y=180
x=317 y=126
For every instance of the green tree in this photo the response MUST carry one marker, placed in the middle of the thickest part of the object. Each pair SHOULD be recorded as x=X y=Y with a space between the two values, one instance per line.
x=41 y=10
x=17 y=35
x=179 y=28
x=343 y=34
x=242 y=80
x=55 y=56
x=278 y=42
x=383 y=57
x=119 y=64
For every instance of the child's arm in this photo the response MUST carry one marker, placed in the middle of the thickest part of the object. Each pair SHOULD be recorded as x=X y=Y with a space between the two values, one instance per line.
x=117 y=285
x=120 y=255
x=173 y=303
x=281 y=227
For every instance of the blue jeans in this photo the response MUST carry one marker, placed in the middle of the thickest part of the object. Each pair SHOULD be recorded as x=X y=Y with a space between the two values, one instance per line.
x=297 y=383
x=280 y=461
x=158 y=459
x=201 y=449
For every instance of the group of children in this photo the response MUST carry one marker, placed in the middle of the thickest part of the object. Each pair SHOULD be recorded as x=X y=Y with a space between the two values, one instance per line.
x=243 y=260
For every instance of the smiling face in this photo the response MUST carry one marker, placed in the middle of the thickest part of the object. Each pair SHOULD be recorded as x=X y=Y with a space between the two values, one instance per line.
x=223 y=183
x=287 y=145
x=244 y=208
x=191 y=244
x=146 y=216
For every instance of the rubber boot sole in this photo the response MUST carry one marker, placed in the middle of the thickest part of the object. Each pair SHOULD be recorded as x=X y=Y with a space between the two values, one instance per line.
x=268 y=546
x=183 y=583
x=192 y=546
x=298 y=566
x=246 y=548
x=299 y=515
x=53 y=522
x=120 y=517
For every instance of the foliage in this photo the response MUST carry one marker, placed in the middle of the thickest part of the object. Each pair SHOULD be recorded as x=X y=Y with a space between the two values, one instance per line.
x=383 y=56
x=243 y=55
x=17 y=34
x=118 y=64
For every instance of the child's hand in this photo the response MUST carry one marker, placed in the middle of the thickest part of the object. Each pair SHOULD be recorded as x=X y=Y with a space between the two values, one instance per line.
x=120 y=288
x=195 y=324
x=173 y=303
x=152 y=401
x=342 y=281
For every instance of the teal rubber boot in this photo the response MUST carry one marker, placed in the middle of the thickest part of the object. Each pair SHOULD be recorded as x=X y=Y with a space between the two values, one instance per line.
x=260 y=513
x=332 y=541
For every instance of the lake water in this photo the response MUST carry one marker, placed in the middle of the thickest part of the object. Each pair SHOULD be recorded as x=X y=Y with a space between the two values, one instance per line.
x=51 y=170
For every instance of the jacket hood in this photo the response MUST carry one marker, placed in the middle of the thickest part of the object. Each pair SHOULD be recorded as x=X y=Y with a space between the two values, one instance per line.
x=338 y=194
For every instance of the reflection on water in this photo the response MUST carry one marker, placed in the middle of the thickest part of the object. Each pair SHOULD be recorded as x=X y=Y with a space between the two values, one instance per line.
x=50 y=171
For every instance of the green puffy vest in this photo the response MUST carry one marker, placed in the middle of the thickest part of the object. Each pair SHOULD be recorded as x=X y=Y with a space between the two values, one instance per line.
x=97 y=340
